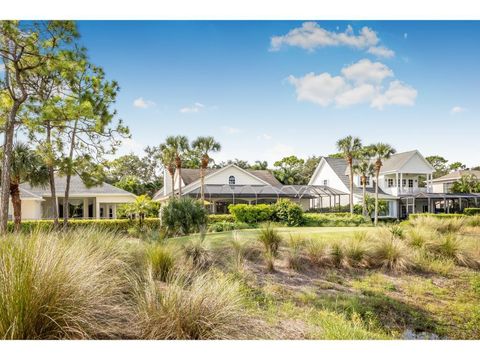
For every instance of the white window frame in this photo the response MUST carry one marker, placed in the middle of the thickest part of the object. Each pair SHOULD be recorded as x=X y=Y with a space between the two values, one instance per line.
x=231 y=180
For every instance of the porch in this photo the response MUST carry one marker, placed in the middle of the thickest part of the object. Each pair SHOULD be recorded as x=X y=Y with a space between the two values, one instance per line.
x=82 y=208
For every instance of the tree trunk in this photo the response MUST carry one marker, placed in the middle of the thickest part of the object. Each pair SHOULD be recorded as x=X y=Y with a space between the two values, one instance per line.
x=350 y=165
x=6 y=163
x=364 y=194
x=172 y=175
x=66 y=208
x=51 y=176
x=17 y=206
x=179 y=168
x=202 y=183
x=377 y=174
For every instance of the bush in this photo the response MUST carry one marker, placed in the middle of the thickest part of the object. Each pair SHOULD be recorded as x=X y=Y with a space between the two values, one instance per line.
x=197 y=252
x=450 y=247
x=251 y=214
x=294 y=256
x=318 y=252
x=471 y=211
x=214 y=218
x=442 y=225
x=62 y=286
x=183 y=216
x=335 y=220
x=227 y=226
x=287 y=212
x=209 y=306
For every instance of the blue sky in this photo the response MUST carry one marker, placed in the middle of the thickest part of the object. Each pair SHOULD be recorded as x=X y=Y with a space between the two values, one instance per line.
x=266 y=89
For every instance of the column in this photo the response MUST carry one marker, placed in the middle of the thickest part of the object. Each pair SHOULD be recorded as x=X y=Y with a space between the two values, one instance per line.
x=85 y=208
x=97 y=208
x=401 y=182
x=114 y=211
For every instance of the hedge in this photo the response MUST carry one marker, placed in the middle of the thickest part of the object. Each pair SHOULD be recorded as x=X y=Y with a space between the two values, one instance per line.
x=472 y=211
x=251 y=214
x=121 y=225
x=332 y=219
x=214 y=218
x=440 y=216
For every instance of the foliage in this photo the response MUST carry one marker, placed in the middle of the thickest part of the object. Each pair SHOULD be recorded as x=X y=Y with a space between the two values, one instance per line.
x=334 y=219
x=468 y=183
x=251 y=214
x=471 y=211
x=220 y=226
x=213 y=218
x=62 y=287
x=287 y=212
x=271 y=240
x=289 y=170
x=142 y=207
x=196 y=251
x=161 y=261
x=183 y=216
x=439 y=163
x=391 y=253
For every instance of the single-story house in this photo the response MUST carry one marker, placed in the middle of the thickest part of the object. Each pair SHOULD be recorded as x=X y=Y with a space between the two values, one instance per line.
x=444 y=183
x=97 y=202
x=234 y=185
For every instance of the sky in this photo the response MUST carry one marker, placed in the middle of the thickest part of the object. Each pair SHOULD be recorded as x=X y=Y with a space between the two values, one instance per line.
x=269 y=89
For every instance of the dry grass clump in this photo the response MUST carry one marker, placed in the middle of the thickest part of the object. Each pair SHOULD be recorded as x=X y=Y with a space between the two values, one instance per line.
x=239 y=249
x=420 y=237
x=318 y=252
x=271 y=240
x=69 y=286
x=356 y=252
x=391 y=253
x=207 y=306
x=197 y=252
x=450 y=246
x=443 y=226
x=161 y=259
x=296 y=244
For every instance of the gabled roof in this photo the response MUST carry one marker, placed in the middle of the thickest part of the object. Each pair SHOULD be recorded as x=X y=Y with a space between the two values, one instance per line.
x=76 y=187
x=456 y=175
x=339 y=166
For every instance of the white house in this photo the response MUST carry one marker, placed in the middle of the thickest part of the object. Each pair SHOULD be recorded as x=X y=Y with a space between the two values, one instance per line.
x=444 y=183
x=234 y=185
x=405 y=182
x=98 y=202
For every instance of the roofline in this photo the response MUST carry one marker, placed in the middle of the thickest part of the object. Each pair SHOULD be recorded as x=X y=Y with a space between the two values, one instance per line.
x=317 y=169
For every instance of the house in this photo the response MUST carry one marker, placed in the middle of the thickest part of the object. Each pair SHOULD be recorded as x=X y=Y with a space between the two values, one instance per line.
x=98 y=202
x=405 y=183
x=444 y=183
x=234 y=185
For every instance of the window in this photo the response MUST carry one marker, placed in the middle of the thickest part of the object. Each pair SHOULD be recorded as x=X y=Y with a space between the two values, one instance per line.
x=231 y=180
x=369 y=181
x=325 y=182
x=390 y=183
x=410 y=183
x=404 y=182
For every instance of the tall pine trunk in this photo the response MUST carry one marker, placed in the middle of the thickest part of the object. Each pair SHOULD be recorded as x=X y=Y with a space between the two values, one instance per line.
x=364 y=194
x=17 y=206
x=202 y=185
x=172 y=176
x=6 y=163
x=51 y=178
x=179 y=168
x=66 y=208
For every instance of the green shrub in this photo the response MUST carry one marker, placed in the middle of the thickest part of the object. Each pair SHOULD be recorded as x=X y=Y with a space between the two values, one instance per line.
x=287 y=212
x=471 y=211
x=251 y=214
x=227 y=226
x=332 y=219
x=214 y=218
x=63 y=285
x=183 y=216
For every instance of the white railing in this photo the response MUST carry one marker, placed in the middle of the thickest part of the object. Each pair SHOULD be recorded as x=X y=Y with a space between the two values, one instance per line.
x=403 y=190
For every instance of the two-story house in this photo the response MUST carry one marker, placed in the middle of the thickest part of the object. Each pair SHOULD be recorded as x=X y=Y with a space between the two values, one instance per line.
x=405 y=183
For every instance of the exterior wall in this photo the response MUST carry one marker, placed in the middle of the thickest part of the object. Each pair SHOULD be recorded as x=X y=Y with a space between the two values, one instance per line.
x=241 y=177
x=442 y=187
x=31 y=209
x=325 y=172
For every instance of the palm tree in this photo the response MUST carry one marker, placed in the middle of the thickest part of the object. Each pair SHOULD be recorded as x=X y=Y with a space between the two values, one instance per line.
x=468 y=183
x=203 y=145
x=26 y=166
x=180 y=147
x=167 y=158
x=380 y=152
x=350 y=148
x=365 y=169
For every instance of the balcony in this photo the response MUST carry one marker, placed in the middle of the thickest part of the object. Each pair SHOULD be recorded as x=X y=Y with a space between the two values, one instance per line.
x=403 y=190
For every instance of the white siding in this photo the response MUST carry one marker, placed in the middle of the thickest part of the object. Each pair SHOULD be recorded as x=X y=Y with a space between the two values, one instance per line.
x=31 y=210
x=241 y=177
x=416 y=165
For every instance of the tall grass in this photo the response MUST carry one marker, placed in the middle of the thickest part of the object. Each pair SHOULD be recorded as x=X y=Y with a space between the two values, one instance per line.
x=294 y=255
x=161 y=259
x=318 y=252
x=69 y=286
x=207 y=306
x=271 y=240
x=197 y=252
x=392 y=254
x=239 y=248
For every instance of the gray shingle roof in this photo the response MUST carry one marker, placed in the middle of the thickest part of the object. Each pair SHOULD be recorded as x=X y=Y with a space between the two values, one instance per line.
x=396 y=161
x=340 y=167
x=455 y=175
x=76 y=187
x=191 y=175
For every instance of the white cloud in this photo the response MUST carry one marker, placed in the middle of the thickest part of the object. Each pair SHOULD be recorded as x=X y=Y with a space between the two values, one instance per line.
x=311 y=36
x=359 y=83
x=195 y=108
x=142 y=103
x=381 y=51
x=231 y=130
x=320 y=89
x=364 y=71
x=397 y=94
x=457 y=110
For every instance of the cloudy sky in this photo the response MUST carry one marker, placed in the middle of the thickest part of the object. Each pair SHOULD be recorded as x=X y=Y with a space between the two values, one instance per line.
x=267 y=89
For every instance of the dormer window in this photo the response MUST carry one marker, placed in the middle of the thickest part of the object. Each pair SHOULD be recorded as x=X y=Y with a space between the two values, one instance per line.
x=231 y=180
